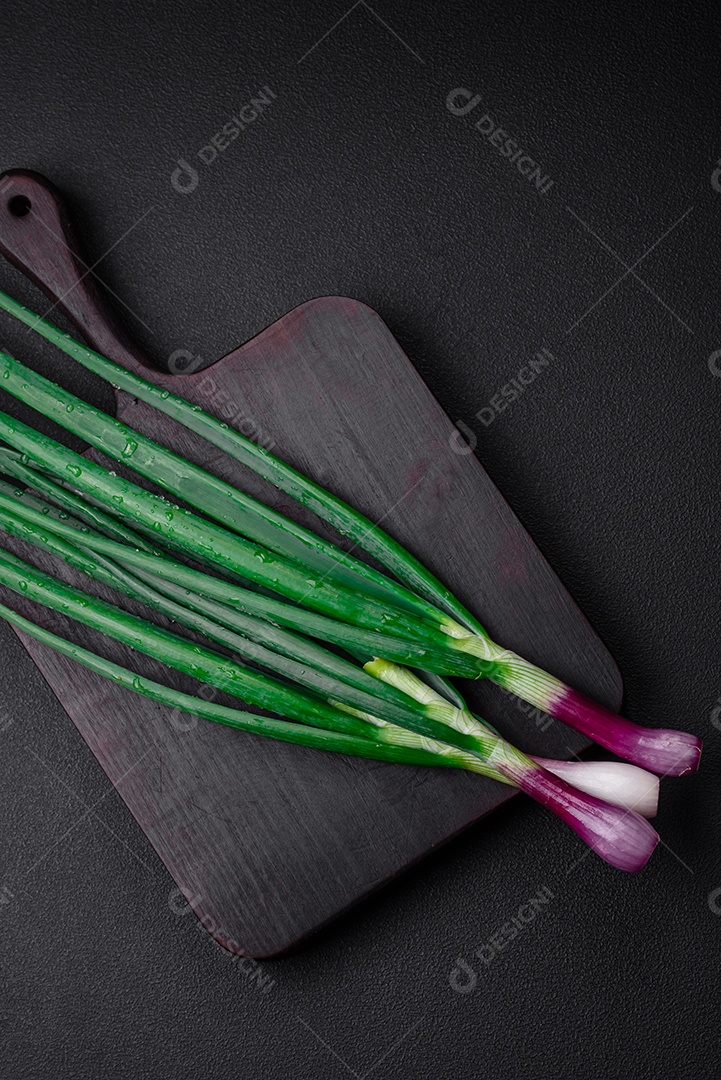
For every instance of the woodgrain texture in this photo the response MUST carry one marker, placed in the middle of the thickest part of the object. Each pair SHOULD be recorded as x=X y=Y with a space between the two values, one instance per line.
x=267 y=841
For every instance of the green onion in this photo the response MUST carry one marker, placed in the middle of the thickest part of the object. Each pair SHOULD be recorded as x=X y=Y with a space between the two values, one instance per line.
x=200 y=489
x=184 y=531
x=348 y=521
x=615 y=782
x=664 y=751
x=200 y=662
x=285 y=731
x=625 y=841
x=157 y=568
x=57 y=494
x=667 y=751
x=289 y=655
x=620 y=836
x=349 y=676
x=595 y=821
x=220 y=620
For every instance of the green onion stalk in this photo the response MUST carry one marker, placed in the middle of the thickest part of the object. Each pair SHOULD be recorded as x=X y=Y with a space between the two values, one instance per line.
x=618 y=783
x=284 y=730
x=102 y=524
x=664 y=751
x=160 y=567
x=186 y=532
x=113 y=575
x=271 y=727
x=229 y=675
x=287 y=654
x=621 y=837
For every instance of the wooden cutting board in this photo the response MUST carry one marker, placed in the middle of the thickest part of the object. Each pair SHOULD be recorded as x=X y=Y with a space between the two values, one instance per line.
x=267 y=841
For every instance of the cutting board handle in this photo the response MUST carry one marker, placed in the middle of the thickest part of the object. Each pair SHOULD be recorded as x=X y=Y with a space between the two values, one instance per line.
x=37 y=236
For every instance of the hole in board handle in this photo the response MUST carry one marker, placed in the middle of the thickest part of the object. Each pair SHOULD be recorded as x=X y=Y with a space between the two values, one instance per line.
x=19 y=205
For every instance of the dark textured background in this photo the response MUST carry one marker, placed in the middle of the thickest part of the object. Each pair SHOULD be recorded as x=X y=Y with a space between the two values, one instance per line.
x=359 y=181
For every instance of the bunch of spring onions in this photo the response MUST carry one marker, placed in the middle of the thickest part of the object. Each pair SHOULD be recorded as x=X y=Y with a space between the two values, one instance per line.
x=349 y=658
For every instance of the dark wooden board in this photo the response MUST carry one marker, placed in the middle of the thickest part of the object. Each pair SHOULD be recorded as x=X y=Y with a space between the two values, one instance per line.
x=267 y=841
